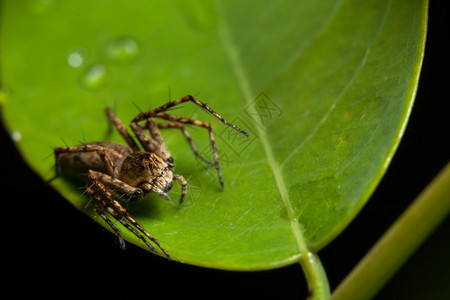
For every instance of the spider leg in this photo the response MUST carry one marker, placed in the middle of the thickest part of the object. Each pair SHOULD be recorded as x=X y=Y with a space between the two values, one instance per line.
x=160 y=112
x=152 y=144
x=100 y=206
x=183 y=186
x=132 y=230
x=205 y=125
x=165 y=107
x=154 y=131
x=188 y=138
x=120 y=213
x=160 y=192
x=118 y=189
x=102 y=152
x=151 y=125
x=99 y=210
x=121 y=129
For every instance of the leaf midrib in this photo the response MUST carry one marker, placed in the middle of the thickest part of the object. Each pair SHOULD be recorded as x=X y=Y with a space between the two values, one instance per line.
x=243 y=83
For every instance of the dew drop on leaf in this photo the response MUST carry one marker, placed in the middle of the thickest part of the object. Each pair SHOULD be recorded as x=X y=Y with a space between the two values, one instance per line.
x=75 y=59
x=16 y=136
x=94 y=77
x=122 y=50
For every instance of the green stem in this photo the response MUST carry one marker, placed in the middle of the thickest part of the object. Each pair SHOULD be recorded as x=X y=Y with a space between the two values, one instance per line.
x=393 y=249
x=318 y=287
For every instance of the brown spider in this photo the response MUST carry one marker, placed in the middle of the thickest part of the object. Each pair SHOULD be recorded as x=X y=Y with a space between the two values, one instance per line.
x=117 y=172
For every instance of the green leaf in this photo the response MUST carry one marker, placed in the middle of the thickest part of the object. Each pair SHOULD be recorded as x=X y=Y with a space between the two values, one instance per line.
x=323 y=87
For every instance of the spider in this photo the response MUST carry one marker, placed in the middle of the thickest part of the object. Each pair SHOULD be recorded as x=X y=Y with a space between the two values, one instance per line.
x=117 y=174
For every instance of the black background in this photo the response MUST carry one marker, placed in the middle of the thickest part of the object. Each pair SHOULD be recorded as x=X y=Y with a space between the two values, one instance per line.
x=50 y=248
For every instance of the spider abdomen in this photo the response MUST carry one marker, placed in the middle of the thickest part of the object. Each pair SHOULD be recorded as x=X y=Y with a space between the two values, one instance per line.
x=79 y=163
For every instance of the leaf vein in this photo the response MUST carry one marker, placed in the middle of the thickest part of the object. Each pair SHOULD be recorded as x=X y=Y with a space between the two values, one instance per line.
x=242 y=79
x=342 y=93
x=302 y=48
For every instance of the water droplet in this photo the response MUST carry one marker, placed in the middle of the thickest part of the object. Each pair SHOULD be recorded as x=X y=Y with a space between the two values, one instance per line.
x=16 y=136
x=94 y=77
x=75 y=59
x=122 y=50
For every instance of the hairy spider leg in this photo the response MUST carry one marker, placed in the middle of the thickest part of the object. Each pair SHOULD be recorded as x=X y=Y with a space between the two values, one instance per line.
x=118 y=188
x=160 y=112
x=165 y=107
x=206 y=125
x=121 y=212
x=101 y=206
x=154 y=131
x=149 y=125
x=156 y=134
x=85 y=148
x=121 y=129
x=99 y=210
x=188 y=138
x=159 y=192
x=183 y=187
x=150 y=144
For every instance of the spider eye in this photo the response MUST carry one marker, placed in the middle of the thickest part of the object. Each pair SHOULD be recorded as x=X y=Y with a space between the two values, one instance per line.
x=138 y=193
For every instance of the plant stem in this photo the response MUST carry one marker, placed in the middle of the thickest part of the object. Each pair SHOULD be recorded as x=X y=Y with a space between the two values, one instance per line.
x=422 y=217
x=318 y=287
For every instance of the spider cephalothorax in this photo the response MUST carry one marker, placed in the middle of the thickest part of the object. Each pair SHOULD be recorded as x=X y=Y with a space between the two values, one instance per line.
x=148 y=172
x=117 y=172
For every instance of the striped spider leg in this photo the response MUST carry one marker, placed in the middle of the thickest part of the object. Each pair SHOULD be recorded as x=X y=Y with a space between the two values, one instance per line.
x=177 y=122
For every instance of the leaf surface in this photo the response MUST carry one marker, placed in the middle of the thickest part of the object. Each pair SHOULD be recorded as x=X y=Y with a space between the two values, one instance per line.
x=323 y=87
